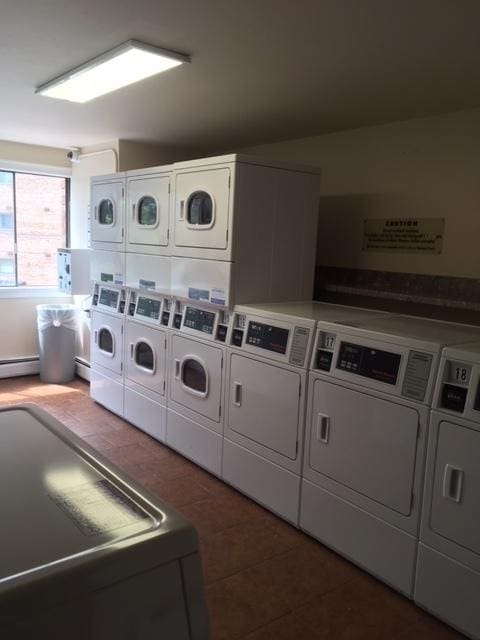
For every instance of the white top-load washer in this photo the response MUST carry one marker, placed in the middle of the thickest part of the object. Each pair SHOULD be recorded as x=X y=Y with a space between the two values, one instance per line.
x=196 y=383
x=448 y=568
x=107 y=212
x=370 y=389
x=244 y=230
x=146 y=337
x=266 y=387
x=88 y=554
x=107 y=346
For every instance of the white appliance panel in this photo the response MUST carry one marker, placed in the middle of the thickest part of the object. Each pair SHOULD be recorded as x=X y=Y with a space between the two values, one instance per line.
x=455 y=509
x=107 y=267
x=196 y=376
x=107 y=342
x=264 y=404
x=365 y=443
x=195 y=192
x=145 y=356
x=148 y=213
x=204 y=281
x=148 y=272
x=108 y=213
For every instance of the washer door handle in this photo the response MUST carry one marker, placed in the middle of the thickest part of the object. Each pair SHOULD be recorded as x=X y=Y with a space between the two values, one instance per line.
x=95 y=337
x=133 y=211
x=453 y=483
x=323 y=428
x=237 y=386
x=177 y=368
x=131 y=350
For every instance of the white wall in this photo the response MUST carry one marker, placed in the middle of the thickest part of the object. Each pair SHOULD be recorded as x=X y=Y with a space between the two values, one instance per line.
x=18 y=337
x=426 y=167
x=13 y=152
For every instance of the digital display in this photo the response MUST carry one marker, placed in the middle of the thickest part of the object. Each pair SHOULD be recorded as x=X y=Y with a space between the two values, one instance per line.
x=199 y=320
x=370 y=363
x=265 y=336
x=109 y=298
x=148 y=307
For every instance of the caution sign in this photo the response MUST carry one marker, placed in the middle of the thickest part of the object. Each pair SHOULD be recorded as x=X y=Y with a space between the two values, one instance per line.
x=404 y=235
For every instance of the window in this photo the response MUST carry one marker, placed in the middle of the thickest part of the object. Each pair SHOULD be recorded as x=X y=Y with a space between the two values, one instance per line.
x=33 y=225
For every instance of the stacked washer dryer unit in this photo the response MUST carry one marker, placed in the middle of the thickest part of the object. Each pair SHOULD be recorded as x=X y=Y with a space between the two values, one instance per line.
x=146 y=341
x=265 y=399
x=448 y=569
x=130 y=220
x=107 y=334
x=370 y=389
x=243 y=231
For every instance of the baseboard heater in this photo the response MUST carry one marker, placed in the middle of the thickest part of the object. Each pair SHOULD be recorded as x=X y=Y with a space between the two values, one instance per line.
x=30 y=366
x=19 y=367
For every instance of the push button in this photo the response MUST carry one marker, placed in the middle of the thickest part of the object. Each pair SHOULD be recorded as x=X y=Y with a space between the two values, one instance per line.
x=237 y=337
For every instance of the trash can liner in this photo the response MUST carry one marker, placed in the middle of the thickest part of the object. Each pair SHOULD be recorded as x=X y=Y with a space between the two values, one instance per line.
x=57 y=334
x=56 y=315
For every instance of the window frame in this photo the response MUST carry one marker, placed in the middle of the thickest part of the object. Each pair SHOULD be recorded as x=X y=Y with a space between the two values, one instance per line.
x=19 y=291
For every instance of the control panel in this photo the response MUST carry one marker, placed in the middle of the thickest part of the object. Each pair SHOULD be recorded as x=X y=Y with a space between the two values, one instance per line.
x=458 y=388
x=287 y=342
x=73 y=266
x=150 y=308
x=384 y=366
x=109 y=298
x=205 y=322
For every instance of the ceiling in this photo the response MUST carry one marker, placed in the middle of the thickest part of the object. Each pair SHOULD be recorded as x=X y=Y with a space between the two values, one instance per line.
x=261 y=71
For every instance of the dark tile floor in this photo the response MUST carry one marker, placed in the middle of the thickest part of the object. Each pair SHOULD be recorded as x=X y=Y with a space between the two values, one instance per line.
x=264 y=579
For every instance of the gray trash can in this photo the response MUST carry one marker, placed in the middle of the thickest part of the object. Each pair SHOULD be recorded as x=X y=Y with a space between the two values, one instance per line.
x=57 y=330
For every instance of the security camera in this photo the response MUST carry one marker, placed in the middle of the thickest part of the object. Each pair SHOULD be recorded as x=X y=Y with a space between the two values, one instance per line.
x=73 y=155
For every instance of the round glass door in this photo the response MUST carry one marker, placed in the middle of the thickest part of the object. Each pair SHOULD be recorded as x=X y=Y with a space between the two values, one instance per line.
x=105 y=341
x=147 y=211
x=144 y=356
x=106 y=212
x=194 y=376
x=200 y=209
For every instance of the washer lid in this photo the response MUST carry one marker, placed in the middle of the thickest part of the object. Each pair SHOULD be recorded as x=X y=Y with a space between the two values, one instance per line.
x=63 y=506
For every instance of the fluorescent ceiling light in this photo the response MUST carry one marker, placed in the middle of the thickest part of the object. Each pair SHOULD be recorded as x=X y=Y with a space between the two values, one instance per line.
x=128 y=63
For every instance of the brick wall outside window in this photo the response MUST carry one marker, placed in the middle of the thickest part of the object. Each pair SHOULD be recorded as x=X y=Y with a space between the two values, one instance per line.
x=40 y=220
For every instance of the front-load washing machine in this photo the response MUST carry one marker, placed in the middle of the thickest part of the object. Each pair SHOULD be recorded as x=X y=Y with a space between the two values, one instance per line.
x=448 y=568
x=244 y=230
x=148 y=210
x=146 y=336
x=107 y=212
x=196 y=383
x=266 y=387
x=107 y=267
x=370 y=389
x=106 y=350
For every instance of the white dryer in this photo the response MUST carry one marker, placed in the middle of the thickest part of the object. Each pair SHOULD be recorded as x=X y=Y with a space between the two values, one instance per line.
x=107 y=212
x=106 y=351
x=244 y=230
x=196 y=383
x=266 y=386
x=148 y=210
x=146 y=337
x=448 y=569
x=370 y=388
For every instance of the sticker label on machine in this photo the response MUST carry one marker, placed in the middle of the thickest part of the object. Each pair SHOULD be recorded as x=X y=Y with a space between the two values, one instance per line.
x=298 y=349
x=416 y=375
x=218 y=296
x=198 y=294
x=98 y=507
x=147 y=285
